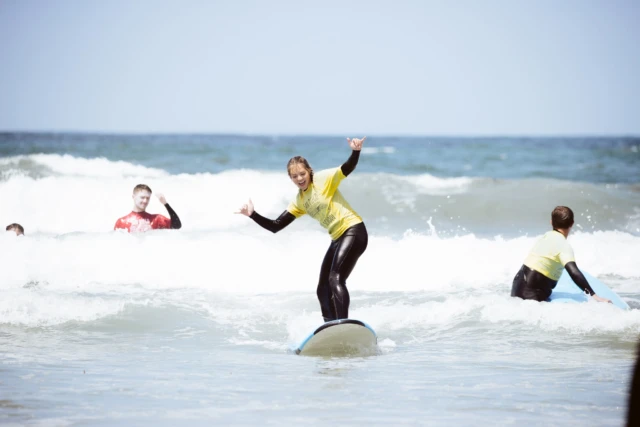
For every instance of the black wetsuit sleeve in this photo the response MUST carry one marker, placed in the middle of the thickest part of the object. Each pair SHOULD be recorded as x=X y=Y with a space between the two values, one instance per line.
x=578 y=278
x=175 y=221
x=350 y=165
x=273 y=225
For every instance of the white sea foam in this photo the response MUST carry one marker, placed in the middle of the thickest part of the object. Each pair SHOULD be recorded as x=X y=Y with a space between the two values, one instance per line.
x=66 y=165
x=429 y=184
x=499 y=310
x=56 y=194
x=44 y=273
x=39 y=307
x=70 y=258
x=68 y=204
x=213 y=260
x=73 y=194
x=378 y=150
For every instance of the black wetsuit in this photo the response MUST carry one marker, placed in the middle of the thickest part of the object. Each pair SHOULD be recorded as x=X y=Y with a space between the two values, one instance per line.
x=175 y=221
x=339 y=261
x=530 y=284
x=633 y=401
x=341 y=257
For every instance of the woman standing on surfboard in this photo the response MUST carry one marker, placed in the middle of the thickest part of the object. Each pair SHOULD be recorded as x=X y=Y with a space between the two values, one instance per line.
x=318 y=196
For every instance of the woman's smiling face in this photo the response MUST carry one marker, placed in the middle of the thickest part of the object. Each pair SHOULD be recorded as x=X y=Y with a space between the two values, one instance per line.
x=299 y=176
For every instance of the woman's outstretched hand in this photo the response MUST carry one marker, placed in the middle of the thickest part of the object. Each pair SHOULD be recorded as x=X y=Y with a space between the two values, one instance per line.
x=246 y=209
x=355 y=143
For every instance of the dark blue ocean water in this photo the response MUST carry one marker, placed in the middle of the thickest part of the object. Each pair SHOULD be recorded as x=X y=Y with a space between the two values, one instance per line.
x=592 y=159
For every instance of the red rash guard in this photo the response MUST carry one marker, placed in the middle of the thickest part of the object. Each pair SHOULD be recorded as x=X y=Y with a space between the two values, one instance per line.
x=139 y=222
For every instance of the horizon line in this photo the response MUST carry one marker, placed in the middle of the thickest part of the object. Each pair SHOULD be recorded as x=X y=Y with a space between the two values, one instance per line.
x=319 y=135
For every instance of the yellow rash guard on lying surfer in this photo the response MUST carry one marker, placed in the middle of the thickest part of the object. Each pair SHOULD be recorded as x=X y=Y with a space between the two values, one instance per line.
x=323 y=201
x=550 y=254
x=543 y=267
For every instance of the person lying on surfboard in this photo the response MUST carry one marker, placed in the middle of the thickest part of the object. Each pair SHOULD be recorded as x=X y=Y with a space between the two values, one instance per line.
x=318 y=196
x=543 y=266
x=139 y=220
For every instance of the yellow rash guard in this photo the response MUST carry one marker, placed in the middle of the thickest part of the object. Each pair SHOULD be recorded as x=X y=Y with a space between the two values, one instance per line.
x=323 y=201
x=550 y=254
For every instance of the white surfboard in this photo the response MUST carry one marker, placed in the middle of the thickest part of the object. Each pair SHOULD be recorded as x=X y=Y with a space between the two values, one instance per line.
x=343 y=337
x=568 y=292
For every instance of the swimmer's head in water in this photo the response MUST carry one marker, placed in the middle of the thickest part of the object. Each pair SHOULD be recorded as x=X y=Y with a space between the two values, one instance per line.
x=141 y=197
x=562 y=217
x=17 y=228
x=300 y=172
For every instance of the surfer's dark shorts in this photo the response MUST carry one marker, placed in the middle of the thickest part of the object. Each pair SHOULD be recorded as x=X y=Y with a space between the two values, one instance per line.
x=529 y=284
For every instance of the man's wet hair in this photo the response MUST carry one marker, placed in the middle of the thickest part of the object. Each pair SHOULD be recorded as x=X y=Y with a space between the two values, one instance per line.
x=562 y=217
x=141 y=187
x=15 y=226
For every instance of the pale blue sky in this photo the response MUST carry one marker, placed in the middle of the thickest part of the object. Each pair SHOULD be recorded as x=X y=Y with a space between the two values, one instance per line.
x=322 y=67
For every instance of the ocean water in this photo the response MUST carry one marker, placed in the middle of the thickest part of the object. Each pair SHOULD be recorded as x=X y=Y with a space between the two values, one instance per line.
x=198 y=326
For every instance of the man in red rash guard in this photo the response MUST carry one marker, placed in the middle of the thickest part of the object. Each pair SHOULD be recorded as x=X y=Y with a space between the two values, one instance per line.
x=139 y=221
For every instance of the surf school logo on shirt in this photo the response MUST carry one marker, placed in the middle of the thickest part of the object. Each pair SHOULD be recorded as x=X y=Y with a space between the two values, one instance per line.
x=314 y=206
x=139 y=225
x=328 y=220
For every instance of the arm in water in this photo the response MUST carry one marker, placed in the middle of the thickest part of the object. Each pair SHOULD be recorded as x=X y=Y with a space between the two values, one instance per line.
x=579 y=279
x=175 y=221
x=273 y=225
x=350 y=165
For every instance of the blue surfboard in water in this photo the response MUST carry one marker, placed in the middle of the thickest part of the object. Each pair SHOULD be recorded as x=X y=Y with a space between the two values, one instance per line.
x=568 y=292
x=342 y=337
